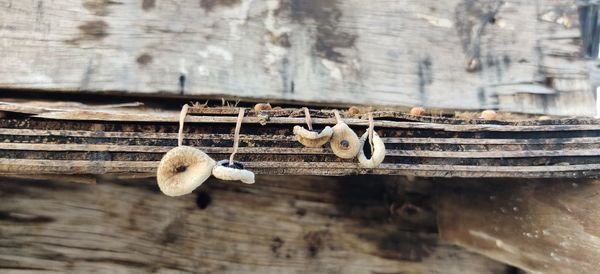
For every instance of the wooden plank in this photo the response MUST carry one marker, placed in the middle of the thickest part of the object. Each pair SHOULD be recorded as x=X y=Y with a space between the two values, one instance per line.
x=539 y=226
x=455 y=54
x=280 y=225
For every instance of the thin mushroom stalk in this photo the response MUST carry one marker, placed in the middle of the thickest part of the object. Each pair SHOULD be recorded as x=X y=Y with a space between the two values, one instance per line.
x=376 y=144
x=309 y=137
x=183 y=168
x=344 y=141
x=230 y=170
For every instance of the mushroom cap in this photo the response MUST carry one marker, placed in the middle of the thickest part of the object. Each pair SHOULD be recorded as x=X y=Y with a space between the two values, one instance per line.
x=223 y=171
x=182 y=170
x=488 y=115
x=417 y=111
x=354 y=110
x=262 y=106
x=378 y=151
x=312 y=138
x=344 y=142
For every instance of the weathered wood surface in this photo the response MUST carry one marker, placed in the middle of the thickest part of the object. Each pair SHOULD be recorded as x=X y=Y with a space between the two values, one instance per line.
x=540 y=226
x=279 y=225
x=515 y=55
x=62 y=138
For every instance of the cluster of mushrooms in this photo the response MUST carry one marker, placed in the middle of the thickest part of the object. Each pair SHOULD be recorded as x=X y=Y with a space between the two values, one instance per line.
x=343 y=140
x=184 y=168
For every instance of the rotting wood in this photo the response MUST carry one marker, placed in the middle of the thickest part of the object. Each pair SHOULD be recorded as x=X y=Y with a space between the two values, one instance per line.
x=280 y=225
x=548 y=226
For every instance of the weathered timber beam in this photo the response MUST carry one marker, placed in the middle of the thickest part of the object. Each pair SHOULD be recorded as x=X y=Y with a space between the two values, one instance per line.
x=539 y=226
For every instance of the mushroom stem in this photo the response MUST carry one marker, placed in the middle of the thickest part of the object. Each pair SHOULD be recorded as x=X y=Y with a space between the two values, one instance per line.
x=182 y=115
x=338 y=118
x=308 y=119
x=236 y=137
x=371 y=127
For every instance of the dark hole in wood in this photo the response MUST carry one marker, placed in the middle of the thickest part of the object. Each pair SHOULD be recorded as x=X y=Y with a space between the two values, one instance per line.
x=203 y=200
x=410 y=210
x=590 y=36
x=180 y=169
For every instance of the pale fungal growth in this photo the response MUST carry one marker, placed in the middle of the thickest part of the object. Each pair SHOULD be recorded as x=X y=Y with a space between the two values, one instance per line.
x=230 y=170
x=344 y=142
x=262 y=106
x=417 y=111
x=488 y=115
x=309 y=137
x=182 y=170
x=377 y=147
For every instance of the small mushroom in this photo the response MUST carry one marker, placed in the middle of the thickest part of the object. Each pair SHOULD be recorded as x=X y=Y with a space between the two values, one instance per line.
x=488 y=115
x=417 y=111
x=232 y=172
x=262 y=106
x=354 y=110
x=182 y=170
x=377 y=154
x=311 y=138
x=344 y=142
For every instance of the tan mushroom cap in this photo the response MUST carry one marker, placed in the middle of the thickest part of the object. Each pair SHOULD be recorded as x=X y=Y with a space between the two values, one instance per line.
x=417 y=111
x=378 y=151
x=344 y=142
x=182 y=170
x=222 y=171
x=312 y=138
x=262 y=106
x=488 y=115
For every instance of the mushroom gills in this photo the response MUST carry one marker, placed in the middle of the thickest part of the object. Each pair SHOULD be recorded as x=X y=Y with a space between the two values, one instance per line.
x=311 y=138
x=375 y=158
x=236 y=172
x=183 y=169
x=344 y=142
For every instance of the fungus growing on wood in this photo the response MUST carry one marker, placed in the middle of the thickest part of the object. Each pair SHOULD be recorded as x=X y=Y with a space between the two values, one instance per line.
x=183 y=169
x=230 y=170
x=417 y=111
x=262 y=106
x=310 y=137
x=376 y=145
x=488 y=115
x=354 y=110
x=344 y=142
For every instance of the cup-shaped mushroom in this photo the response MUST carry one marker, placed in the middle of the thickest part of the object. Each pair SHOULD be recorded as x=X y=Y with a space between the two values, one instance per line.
x=182 y=170
x=344 y=142
x=235 y=172
x=418 y=111
x=378 y=151
x=311 y=138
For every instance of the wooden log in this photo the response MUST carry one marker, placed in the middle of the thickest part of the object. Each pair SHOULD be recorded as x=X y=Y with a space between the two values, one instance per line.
x=280 y=225
x=540 y=226
x=451 y=54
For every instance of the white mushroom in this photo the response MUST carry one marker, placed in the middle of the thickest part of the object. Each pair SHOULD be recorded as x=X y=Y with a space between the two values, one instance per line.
x=183 y=169
x=378 y=151
x=344 y=142
x=310 y=138
x=236 y=172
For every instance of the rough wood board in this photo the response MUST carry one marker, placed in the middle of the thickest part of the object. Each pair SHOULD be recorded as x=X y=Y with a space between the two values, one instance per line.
x=540 y=226
x=282 y=225
x=450 y=54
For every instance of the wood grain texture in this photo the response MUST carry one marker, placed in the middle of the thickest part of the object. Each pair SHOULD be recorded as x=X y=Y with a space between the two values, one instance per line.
x=546 y=226
x=279 y=225
x=514 y=55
